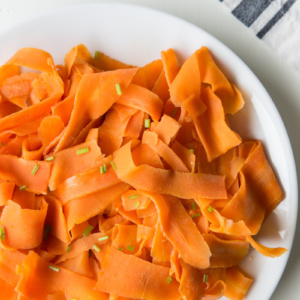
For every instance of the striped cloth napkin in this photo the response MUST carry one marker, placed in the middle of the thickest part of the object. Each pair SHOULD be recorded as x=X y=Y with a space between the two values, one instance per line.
x=277 y=22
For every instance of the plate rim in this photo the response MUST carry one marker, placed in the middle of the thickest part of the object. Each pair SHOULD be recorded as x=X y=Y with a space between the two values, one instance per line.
x=287 y=147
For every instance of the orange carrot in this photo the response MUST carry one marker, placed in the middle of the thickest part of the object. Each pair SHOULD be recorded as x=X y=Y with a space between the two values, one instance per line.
x=146 y=280
x=121 y=182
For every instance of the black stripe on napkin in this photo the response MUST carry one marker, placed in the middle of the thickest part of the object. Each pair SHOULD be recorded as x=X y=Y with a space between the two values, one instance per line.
x=248 y=10
x=276 y=18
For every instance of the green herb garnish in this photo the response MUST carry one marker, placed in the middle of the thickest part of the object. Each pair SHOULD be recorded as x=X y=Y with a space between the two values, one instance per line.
x=147 y=123
x=87 y=231
x=134 y=196
x=169 y=279
x=2 y=233
x=196 y=215
x=174 y=112
x=118 y=88
x=54 y=268
x=130 y=248
x=82 y=150
x=113 y=165
x=103 y=238
x=36 y=167
x=96 y=248
x=210 y=209
x=47 y=230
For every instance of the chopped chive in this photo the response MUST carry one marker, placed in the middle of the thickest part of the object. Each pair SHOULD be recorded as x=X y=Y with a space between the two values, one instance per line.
x=87 y=231
x=195 y=216
x=118 y=88
x=169 y=279
x=137 y=204
x=36 y=167
x=0 y=210
x=120 y=248
x=54 y=268
x=194 y=205
x=47 y=230
x=22 y=188
x=50 y=158
x=2 y=144
x=103 y=169
x=113 y=165
x=2 y=233
x=147 y=123
x=205 y=276
x=103 y=238
x=130 y=248
x=96 y=54
x=96 y=248
x=82 y=150
x=134 y=196
x=174 y=112
x=68 y=249
x=210 y=209
x=192 y=150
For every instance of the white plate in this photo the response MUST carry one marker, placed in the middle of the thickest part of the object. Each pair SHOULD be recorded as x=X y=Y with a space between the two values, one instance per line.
x=136 y=36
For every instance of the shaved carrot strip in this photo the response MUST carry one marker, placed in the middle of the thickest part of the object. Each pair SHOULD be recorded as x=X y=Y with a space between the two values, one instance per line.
x=73 y=163
x=84 y=184
x=181 y=231
x=147 y=280
x=19 y=171
x=163 y=181
x=38 y=280
x=23 y=227
x=96 y=84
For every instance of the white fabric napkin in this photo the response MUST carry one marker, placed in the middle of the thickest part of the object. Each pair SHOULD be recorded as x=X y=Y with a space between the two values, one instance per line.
x=277 y=22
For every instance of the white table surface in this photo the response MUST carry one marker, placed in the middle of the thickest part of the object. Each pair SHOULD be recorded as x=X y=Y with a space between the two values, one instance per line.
x=282 y=83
